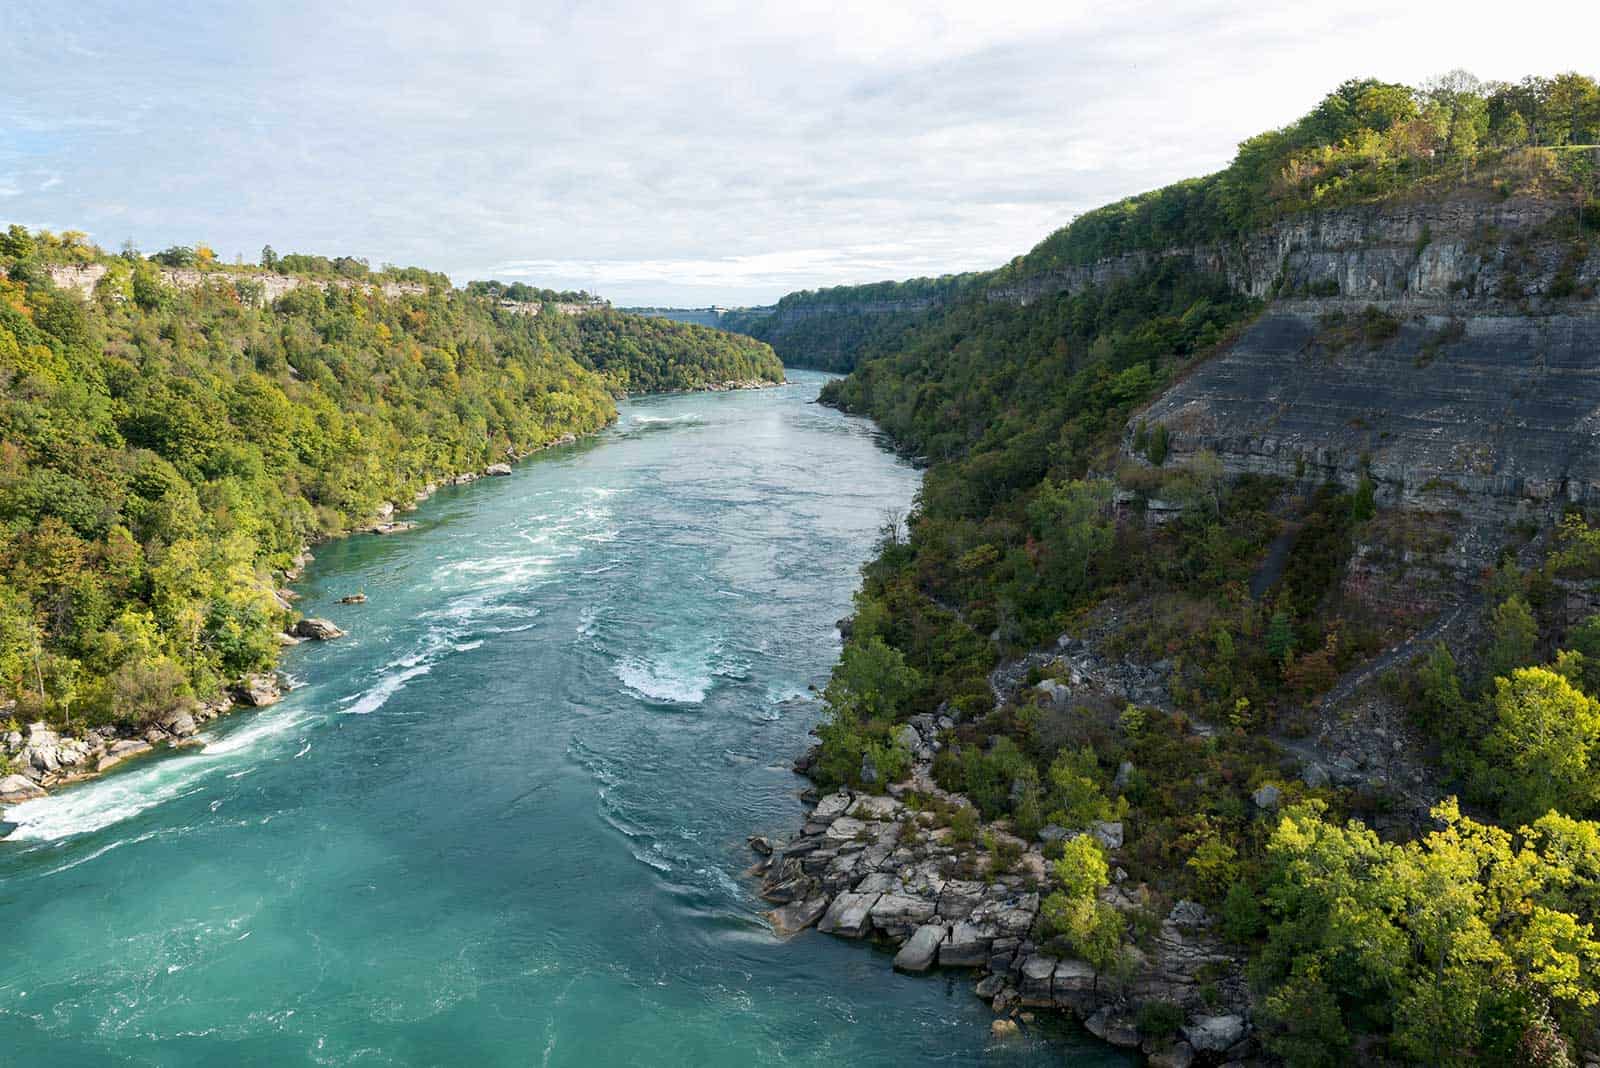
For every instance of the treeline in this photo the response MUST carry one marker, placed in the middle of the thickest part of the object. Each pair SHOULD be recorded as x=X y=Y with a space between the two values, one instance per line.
x=164 y=450
x=828 y=329
x=640 y=354
x=73 y=248
x=523 y=293
x=1473 y=942
x=1365 y=140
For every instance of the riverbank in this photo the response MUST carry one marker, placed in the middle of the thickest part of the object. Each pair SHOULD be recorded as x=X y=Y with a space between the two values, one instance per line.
x=40 y=758
x=916 y=869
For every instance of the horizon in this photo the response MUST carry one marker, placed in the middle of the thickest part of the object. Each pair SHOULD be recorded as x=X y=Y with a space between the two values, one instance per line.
x=725 y=160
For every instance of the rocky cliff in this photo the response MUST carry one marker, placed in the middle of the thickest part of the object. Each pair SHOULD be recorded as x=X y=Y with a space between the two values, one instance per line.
x=270 y=287
x=1449 y=351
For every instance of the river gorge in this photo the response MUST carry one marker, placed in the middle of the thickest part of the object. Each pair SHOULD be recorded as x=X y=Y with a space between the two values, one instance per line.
x=503 y=821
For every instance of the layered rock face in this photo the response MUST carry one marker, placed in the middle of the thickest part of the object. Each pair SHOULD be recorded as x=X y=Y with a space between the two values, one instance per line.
x=270 y=287
x=1450 y=351
x=1423 y=253
x=1446 y=412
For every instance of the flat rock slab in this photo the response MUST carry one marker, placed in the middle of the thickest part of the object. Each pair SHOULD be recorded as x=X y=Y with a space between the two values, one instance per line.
x=17 y=788
x=848 y=915
x=921 y=949
x=797 y=916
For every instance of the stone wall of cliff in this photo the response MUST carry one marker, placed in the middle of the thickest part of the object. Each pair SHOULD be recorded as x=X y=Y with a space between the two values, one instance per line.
x=1428 y=252
x=83 y=278
x=1448 y=351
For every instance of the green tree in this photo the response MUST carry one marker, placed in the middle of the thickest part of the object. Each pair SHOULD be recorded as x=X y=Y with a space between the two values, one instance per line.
x=1513 y=634
x=1545 y=736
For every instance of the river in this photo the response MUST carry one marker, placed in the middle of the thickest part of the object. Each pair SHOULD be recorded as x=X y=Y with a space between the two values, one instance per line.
x=503 y=821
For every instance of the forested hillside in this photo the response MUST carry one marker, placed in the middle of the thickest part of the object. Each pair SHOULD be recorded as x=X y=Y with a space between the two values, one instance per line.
x=640 y=354
x=167 y=448
x=828 y=329
x=1464 y=937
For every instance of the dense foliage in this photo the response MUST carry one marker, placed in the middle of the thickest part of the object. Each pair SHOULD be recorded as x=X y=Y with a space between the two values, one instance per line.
x=522 y=293
x=1471 y=942
x=164 y=449
x=830 y=328
x=1367 y=139
x=639 y=354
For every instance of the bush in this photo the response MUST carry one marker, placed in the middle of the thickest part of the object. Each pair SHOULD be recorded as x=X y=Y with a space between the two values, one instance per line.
x=1158 y=1019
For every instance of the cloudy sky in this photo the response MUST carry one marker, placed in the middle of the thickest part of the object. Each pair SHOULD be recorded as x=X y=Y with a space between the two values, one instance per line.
x=684 y=153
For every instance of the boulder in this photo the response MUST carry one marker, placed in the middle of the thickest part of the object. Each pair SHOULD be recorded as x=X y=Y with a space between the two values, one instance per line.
x=1054 y=832
x=1188 y=913
x=318 y=630
x=1315 y=776
x=797 y=916
x=1214 y=1034
x=1124 y=776
x=258 y=691
x=959 y=897
x=831 y=807
x=497 y=469
x=898 y=914
x=1073 y=977
x=1055 y=693
x=1267 y=797
x=353 y=598
x=40 y=735
x=1037 y=973
x=1107 y=833
x=1112 y=1029
x=848 y=916
x=179 y=722
x=760 y=844
x=1179 y=1055
x=121 y=750
x=907 y=737
x=15 y=789
x=873 y=807
x=968 y=947
x=989 y=986
x=1004 y=1029
x=920 y=950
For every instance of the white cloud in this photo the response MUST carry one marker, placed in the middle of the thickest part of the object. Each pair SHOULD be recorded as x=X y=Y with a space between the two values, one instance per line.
x=698 y=151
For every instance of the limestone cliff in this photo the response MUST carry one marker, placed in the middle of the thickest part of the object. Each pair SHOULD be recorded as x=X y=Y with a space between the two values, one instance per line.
x=1450 y=351
x=83 y=279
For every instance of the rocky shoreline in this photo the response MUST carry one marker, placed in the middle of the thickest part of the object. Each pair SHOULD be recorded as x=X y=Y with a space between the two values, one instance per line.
x=43 y=758
x=894 y=868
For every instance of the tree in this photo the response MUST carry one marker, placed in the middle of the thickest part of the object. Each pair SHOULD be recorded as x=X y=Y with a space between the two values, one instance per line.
x=1513 y=633
x=1545 y=735
x=1070 y=519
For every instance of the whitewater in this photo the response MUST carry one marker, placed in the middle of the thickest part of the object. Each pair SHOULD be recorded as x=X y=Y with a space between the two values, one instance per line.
x=504 y=820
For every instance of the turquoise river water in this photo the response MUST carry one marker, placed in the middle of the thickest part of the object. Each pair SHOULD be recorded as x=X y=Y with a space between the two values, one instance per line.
x=503 y=822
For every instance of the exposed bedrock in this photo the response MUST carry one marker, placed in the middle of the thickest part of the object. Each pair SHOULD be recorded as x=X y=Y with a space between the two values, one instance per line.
x=1431 y=253
x=1471 y=413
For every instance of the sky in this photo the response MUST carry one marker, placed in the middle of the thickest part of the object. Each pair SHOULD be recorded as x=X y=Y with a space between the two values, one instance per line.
x=683 y=153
